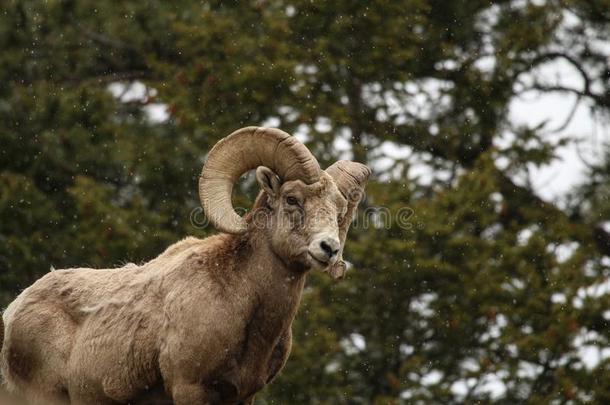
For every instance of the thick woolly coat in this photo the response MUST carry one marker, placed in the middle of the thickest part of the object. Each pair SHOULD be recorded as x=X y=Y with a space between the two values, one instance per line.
x=216 y=312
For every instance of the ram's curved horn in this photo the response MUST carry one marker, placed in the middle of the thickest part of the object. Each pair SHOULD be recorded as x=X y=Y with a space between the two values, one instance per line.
x=350 y=178
x=244 y=150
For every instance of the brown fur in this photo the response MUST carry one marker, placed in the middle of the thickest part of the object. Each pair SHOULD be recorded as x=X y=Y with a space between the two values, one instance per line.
x=207 y=321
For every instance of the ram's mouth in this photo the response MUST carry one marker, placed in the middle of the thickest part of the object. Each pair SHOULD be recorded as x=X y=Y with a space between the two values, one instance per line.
x=318 y=261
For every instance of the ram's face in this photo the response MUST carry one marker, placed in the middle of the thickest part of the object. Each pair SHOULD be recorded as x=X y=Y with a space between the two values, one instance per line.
x=304 y=220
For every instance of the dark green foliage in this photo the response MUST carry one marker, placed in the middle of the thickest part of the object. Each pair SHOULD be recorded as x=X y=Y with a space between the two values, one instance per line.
x=477 y=280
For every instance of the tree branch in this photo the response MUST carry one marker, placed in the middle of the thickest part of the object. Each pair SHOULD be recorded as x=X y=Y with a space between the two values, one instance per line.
x=592 y=232
x=105 y=40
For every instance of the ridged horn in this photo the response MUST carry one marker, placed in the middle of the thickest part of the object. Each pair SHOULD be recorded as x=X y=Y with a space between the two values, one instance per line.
x=350 y=178
x=244 y=150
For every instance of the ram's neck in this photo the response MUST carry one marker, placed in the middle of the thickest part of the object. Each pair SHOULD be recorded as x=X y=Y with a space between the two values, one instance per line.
x=273 y=290
x=271 y=276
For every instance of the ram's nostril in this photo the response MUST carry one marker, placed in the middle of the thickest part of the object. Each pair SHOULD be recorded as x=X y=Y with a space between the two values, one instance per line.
x=329 y=248
x=326 y=248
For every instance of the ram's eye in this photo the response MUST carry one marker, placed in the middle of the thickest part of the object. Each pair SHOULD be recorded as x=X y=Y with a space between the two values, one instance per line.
x=340 y=219
x=292 y=200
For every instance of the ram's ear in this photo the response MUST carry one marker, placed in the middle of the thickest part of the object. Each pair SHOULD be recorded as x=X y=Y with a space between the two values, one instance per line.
x=268 y=180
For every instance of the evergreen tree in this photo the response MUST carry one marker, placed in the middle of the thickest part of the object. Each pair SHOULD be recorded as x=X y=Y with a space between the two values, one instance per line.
x=462 y=282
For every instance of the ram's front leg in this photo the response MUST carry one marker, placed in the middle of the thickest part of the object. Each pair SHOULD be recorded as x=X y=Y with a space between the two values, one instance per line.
x=280 y=355
x=182 y=378
x=185 y=393
x=248 y=401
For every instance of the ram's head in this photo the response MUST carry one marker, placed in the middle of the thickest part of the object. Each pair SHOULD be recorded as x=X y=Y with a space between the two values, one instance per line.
x=305 y=211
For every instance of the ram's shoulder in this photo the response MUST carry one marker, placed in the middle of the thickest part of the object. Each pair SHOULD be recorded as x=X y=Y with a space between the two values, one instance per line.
x=181 y=246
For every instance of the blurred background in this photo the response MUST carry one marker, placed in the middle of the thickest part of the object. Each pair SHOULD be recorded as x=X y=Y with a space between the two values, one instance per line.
x=486 y=120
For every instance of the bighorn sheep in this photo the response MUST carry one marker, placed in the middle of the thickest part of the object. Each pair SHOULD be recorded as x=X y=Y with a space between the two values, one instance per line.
x=208 y=321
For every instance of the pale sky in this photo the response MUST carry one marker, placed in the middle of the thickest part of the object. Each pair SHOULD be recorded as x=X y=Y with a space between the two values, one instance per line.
x=553 y=181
